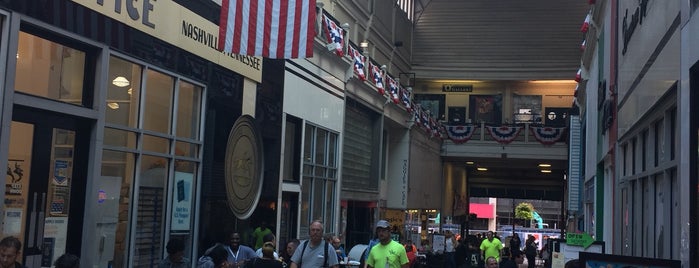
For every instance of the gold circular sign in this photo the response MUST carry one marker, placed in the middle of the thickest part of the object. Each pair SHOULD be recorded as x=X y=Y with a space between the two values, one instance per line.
x=243 y=168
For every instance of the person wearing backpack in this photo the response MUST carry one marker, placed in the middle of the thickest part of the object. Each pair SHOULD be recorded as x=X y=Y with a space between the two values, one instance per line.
x=314 y=252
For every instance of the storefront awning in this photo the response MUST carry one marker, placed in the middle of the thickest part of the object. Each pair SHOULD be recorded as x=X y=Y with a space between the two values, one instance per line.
x=482 y=211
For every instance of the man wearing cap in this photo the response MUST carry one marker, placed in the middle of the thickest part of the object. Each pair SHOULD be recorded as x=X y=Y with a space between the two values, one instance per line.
x=388 y=253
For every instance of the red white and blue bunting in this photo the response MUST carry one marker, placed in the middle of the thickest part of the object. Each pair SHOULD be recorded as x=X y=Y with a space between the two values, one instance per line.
x=548 y=135
x=460 y=134
x=503 y=134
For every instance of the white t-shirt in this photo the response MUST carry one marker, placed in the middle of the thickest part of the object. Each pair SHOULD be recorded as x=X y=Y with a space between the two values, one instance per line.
x=259 y=254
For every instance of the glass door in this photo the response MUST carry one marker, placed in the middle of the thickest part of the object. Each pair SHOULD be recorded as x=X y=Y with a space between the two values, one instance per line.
x=45 y=185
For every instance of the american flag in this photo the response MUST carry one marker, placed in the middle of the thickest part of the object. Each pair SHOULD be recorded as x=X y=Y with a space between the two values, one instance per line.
x=334 y=34
x=268 y=28
x=392 y=89
x=405 y=97
x=358 y=60
x=377 y=76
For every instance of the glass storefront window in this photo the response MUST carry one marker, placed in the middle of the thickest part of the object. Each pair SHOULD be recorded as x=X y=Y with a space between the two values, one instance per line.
x=142 y=224
x=123 y=92
x=150 y=208
x=49 y=69
x=158 y=103
x=113 y=218
x=188 y=110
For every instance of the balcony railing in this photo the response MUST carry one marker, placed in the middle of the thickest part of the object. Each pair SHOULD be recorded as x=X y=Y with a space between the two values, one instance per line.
x=525 y=139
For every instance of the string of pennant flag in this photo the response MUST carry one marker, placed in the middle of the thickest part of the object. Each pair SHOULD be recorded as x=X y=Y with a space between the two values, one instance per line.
x=385 y=85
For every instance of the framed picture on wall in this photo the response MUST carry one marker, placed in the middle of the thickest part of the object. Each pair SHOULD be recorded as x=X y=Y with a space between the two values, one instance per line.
x=432 y=103
x=485 y=108
x=457 y=115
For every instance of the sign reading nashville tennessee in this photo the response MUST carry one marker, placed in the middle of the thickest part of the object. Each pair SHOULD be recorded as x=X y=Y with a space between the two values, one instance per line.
x=178 y=26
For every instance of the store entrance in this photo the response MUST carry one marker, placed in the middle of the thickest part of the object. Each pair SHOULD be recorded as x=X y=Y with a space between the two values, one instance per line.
x=45 y=184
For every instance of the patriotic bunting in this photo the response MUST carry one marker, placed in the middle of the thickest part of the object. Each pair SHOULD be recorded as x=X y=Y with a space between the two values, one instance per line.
x=267 y=28
x=460 y=134
x=358 y=62
x=405 y=97
x=377 y=76
x=392 y=89
x=503 y=134
x=586 y=24
x=335 y=35
x=548 y=135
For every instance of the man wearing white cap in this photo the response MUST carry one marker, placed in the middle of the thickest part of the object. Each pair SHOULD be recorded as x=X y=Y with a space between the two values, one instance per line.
x=388 y=253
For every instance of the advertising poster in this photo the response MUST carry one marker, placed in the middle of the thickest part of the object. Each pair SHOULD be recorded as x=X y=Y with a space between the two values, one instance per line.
x=182 y=201
x=55 y=233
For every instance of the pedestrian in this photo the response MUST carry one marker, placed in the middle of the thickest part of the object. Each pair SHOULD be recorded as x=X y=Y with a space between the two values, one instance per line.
x=339 y=250
x=515 y=243
x=237 y=253
x=449 y=249
x=10 y=248
x=259 y=233
x=175 y=255
x=289 y=251
x=491 y=247
x=530 y=251
x=491 y=262
x=268 y=238
x=314 y=252
x=387 y=253
x=267 y=260
x=516 y=258
x=67 y=261
x=215 y=257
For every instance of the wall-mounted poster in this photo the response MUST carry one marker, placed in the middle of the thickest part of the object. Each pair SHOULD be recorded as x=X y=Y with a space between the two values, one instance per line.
x=526 y=108
x=485 y=108
x=432 y=103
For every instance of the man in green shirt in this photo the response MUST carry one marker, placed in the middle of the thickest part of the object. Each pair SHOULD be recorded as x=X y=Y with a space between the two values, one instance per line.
x=388 y=253
x=259 y=234
x=491 y=247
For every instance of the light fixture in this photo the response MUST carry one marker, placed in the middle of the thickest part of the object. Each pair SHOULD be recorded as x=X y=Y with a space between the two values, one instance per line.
x=129 y=91
x=113 y=105
x=364 y=44
x=545 y=171
x=482 y=169
x=121 y=81
x=544 y=165
x=469 y=162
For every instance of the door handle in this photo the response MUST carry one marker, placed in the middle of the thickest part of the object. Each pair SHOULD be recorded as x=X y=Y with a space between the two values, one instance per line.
x=40 y=221
x=32 y=223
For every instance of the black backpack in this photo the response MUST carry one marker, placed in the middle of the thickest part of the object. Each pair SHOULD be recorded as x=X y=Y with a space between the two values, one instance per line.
x=325 y=254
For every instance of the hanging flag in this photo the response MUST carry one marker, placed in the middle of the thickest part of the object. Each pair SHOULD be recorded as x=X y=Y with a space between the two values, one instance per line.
x=417 y=115
x=405 y=97
x=460 y=134
x=358 y=59
x=583 y=45
x=268 y=28
x=377 y=76
x=392 y=89
x=503 y=134
x=335 y=35
x=578 y=76
x=547 y=135
x=586 y=23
